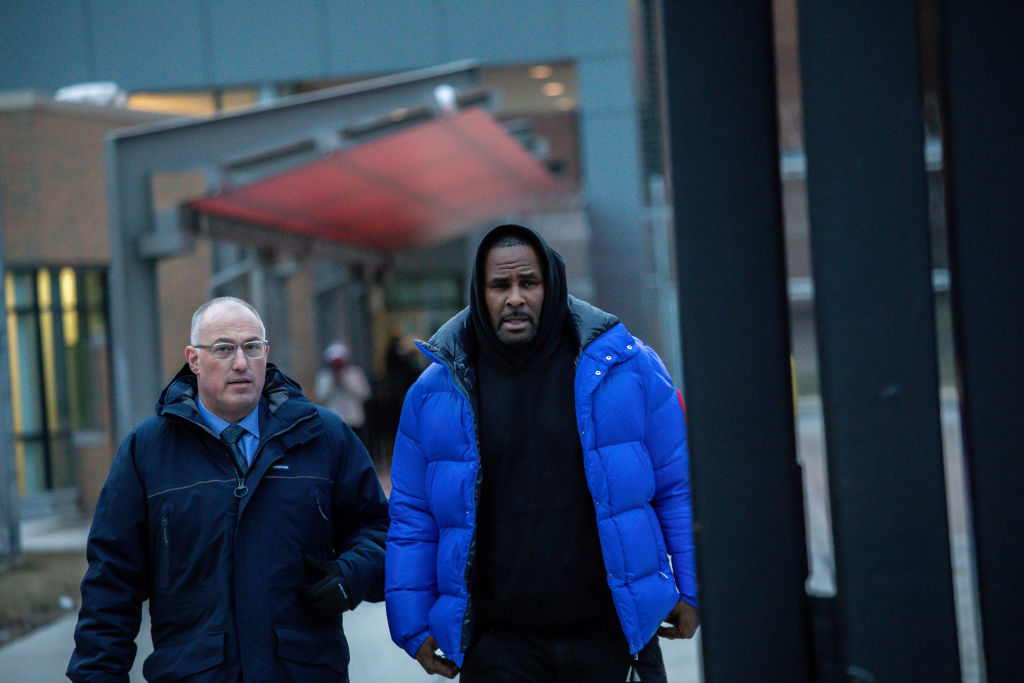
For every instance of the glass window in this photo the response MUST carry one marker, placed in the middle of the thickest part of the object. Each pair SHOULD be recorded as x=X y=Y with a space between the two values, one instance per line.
x=56 y=326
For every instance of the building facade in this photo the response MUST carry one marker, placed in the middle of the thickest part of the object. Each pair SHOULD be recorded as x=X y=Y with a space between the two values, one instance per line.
x=574 y=70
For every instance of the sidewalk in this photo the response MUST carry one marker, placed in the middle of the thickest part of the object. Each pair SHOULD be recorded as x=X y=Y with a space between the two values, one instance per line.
x=42 y=656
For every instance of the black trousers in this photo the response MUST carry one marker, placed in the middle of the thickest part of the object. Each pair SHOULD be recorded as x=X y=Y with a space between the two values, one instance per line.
x=650 y=665
x=593 y=653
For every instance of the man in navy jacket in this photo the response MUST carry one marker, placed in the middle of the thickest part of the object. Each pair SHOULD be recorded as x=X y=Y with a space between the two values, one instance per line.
x=541 y=524
x=249 y=517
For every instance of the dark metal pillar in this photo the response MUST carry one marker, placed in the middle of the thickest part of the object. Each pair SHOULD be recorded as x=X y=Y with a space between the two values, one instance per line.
x=983 y=44
x=751 y=552
x=876 y=337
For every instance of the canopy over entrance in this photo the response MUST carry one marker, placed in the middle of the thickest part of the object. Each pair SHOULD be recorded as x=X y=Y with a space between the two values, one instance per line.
x=418 y=186
x=363 y=169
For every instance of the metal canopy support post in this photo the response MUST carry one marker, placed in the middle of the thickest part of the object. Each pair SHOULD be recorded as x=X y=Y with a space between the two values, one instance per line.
x=751 y=552
x=133 y=156
x=984 y=88
x=870 y=245
x=10 y=538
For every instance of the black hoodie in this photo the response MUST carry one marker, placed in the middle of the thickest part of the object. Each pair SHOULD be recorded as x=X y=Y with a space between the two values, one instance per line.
x=538 y=559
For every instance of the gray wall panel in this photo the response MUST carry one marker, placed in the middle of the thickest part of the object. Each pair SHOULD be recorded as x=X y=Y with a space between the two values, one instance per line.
x=610 y=154
x=598 y=27
x=606 y=84
x=265 y=39
x=44 y=44
x=410 y=28
x=501 y=31
x=149 y=44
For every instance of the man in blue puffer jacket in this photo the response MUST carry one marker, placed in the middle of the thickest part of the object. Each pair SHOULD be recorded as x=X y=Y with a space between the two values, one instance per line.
x=249 y=517
x=541 y=526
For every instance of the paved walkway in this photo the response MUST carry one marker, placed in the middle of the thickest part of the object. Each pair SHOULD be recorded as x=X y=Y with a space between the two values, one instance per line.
x=42 y=656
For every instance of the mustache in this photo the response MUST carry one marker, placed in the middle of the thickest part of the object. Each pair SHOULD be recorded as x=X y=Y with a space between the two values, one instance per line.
x=518 y=315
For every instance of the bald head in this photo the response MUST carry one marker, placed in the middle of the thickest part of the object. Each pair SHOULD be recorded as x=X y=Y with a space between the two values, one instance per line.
x=201 y=312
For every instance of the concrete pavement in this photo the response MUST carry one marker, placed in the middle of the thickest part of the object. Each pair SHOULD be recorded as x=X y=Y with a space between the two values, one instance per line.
x=42 y=656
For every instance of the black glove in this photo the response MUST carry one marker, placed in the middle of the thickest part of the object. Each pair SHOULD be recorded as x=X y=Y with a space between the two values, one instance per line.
x=329 y=594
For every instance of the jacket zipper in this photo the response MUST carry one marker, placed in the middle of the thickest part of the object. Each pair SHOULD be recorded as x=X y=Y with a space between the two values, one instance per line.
x=241 y=489
x=326 y=537
x=320 y=509
x=165 y=560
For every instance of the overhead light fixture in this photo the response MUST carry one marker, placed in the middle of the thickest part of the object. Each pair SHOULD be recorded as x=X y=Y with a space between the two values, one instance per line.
x=541 y=71
x=446 y=98
x=553 y=89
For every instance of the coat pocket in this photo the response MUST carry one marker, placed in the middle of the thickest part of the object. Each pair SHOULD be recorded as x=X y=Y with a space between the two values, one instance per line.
x=182 y=659
x=304 y=652
x=325 y=546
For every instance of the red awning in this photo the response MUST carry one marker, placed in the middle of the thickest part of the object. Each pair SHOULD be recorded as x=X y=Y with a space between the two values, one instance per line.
x=418 y=186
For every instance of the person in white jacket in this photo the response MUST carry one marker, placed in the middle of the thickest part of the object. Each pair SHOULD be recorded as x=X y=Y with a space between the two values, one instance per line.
x=342 y=386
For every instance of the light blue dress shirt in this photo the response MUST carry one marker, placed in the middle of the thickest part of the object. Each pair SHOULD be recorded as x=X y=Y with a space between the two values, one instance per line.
x=250 y=440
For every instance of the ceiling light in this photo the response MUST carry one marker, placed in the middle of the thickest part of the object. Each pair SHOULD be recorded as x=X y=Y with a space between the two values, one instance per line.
x=541 y=71
x=553 y=89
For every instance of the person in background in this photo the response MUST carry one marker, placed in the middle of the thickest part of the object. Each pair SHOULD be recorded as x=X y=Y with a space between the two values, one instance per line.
x=341 y=385
x=250 y=518
x=541 y=526
x=401 y=367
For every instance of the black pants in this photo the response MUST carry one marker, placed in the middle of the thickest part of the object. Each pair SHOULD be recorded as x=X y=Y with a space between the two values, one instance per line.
x=595 y=653
x=650 y=665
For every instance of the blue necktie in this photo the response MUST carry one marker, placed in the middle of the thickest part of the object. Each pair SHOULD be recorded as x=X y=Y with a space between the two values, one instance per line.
x=230 y=437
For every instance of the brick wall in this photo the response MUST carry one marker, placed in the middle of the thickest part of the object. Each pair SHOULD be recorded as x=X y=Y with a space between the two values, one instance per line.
x=52 y=181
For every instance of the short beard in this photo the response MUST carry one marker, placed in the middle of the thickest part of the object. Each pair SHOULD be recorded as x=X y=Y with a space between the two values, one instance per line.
x=503 y=338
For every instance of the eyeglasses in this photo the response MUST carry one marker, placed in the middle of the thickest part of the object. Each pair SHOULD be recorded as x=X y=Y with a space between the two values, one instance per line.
x=253 y=350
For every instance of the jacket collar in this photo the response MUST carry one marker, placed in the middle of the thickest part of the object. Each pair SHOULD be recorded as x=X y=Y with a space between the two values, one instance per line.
x=450 y=344
x=282 y=397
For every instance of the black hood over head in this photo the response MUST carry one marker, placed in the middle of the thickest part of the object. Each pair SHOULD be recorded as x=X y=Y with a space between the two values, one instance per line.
x=554 y=316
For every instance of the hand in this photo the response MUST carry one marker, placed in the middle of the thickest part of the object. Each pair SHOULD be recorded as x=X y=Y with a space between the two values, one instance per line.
x=684 y=620
x=328 y=595
x=433 y=664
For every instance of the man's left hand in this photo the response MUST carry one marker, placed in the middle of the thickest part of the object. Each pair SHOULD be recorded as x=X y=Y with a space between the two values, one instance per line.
x=684 y=620
x=329 y=594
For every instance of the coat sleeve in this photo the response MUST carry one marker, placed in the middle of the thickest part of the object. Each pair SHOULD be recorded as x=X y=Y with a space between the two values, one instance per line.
x=665 y=436
x=361 y=520
x=116 y=581
x=411 y=573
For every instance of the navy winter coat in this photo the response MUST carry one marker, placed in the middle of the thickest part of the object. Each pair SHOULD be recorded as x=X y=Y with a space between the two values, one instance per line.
x=221 y=561
x=631 y=427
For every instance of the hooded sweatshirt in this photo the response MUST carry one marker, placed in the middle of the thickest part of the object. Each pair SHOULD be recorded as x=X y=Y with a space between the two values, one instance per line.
x=539 y=561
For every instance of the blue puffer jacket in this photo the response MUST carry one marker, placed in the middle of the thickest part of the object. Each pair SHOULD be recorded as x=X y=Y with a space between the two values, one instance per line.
x=634 y=447
x=221 y=560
